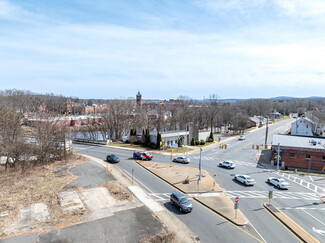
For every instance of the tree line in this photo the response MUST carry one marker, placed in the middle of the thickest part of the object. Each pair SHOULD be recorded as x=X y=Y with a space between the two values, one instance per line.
x=44 y=140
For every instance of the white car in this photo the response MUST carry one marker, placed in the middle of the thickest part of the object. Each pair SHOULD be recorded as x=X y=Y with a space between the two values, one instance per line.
x=241 y=137
x=182 y=159
x=278 y=182
x=245 y=179
x=227 y=164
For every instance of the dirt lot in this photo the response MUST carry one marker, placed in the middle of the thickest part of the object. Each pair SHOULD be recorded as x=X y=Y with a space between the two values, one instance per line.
x=40 y=185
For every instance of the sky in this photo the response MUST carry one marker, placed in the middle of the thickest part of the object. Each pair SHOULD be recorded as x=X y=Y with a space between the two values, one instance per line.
x=107 y=49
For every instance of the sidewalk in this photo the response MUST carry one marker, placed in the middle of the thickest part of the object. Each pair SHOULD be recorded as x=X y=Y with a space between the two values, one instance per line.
x=206 y=192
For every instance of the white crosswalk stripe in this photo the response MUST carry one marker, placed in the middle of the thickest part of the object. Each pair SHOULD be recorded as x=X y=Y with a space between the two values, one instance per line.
x=276 y=194
x=303 y=183
x=218 y=160
x=160 y=196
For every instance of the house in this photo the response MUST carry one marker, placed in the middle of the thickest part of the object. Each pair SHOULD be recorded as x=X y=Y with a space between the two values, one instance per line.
x=303 y=127
x=257 y=121
x=299 y=152
x=170 y=138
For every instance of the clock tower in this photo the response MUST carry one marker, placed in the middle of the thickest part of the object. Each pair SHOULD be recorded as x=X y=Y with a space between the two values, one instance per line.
x=139 y=99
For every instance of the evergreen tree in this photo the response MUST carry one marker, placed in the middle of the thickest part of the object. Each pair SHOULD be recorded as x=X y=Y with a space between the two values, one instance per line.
x=193 y=142
x=159 y=141
x=211 y=139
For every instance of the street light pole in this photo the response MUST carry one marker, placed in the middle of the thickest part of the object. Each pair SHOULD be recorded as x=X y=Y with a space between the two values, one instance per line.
x=200 y=165
x=267 y=129
x=278 y=157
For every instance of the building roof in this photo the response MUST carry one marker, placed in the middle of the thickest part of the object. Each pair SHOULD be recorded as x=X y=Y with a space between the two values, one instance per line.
x=298 y=141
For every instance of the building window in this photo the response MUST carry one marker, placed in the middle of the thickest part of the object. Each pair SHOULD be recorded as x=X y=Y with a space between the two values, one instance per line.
x=308 y=156
x=323 y=158
x=307 y=126
x=292 y=155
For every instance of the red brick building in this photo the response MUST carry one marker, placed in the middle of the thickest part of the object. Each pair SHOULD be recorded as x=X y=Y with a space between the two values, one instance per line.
x=300 y=152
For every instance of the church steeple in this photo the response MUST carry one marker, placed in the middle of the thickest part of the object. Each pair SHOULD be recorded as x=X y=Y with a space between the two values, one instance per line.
x=139 y=99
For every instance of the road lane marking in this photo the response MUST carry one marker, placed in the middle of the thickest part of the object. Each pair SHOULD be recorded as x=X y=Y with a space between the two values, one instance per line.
x=303 y=183
x=313 y=217
x=276 y=194
x=134 y=178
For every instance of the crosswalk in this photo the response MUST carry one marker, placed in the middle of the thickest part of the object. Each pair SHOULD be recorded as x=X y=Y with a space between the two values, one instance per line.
x=237 y=162
x=301 y=182
x=252 y=194
x=276 y=194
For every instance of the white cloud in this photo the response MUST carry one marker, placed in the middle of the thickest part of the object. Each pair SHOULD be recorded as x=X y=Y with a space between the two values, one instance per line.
x=304 y=8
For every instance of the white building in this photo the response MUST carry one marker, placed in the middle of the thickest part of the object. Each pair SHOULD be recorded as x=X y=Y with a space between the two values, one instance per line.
x=303 y=127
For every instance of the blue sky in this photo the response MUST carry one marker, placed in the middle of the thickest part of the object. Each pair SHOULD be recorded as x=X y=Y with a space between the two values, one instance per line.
x=166 y=49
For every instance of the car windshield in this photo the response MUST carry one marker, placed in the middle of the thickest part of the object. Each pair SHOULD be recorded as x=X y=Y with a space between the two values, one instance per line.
x=113 y=156
x=282 y=180
x=249 y=178
x=183 y=200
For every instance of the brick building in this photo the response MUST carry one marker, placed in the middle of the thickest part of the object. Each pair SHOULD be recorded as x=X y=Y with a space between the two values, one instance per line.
x=300 y=152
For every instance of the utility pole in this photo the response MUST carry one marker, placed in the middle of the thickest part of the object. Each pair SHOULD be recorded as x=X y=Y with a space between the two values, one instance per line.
x=200 y=165
x=278 y=157
x=267 y=129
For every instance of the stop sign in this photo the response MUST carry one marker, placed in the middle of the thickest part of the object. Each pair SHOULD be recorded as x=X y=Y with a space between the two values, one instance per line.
x=236 y=199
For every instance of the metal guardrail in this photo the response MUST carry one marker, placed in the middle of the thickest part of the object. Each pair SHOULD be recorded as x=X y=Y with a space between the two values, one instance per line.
x=87 y=141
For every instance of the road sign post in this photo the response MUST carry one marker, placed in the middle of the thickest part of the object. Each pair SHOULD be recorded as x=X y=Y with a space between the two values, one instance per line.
x=271 y=189
x=236 y=206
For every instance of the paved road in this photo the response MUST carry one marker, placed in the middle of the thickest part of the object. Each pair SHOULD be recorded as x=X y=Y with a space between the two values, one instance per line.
x=205 y=224
x=299 y=202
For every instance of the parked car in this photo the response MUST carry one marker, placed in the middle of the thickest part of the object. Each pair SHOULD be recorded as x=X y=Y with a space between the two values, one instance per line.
x=278 y=182
x=181 y=201
x=241 y=137
x=182 y=159
x=112 y=158
x=142 y=155
x=227 y=164
x=245 y=179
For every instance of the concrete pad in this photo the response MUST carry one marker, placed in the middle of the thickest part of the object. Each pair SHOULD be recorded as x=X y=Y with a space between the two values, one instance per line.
x=90 y=174
x=29 y=216
x=70 y=202
x=205 y=191
x=144 y=198
x=98 y=198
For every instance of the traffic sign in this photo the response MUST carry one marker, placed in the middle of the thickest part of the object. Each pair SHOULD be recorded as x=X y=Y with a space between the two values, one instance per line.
x=271 y=188
x=236 y=199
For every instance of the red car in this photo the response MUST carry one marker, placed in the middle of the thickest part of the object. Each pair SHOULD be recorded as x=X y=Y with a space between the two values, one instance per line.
x=142 y=155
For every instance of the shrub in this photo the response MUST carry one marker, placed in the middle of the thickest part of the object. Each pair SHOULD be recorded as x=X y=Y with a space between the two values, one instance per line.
x=197 y=142
x=202 y=142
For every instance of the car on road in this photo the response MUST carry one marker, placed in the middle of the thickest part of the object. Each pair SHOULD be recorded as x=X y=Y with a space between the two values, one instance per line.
x=112 y=158
x=278 y=182
x=241 y=137
x=227 y=164
x=142 y=155
x=245 y=179
x=180 y=200
x=182 y=159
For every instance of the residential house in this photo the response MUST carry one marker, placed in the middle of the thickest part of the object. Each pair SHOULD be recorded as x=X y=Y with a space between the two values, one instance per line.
x=303 y=127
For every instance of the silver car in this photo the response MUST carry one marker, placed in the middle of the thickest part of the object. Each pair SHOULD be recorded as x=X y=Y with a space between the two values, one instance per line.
x=182 y=159
x=227 y=164
x=245 y=179
x=278 y=182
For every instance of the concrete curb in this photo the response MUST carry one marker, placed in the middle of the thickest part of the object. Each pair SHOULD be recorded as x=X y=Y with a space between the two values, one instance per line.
x=296 y=229
x=219 y=213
